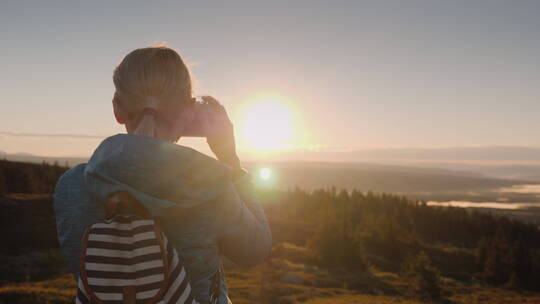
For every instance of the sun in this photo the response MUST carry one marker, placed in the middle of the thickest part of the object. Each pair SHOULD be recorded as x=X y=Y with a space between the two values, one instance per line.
x=267 y=124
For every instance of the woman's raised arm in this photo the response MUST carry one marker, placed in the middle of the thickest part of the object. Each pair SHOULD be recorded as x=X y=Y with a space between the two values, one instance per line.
x=243 y=231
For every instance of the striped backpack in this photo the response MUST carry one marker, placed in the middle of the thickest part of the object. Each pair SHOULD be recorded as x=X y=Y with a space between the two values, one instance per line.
x=127 y=259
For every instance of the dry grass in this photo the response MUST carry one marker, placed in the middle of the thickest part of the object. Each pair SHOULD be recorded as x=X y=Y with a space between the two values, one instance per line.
x=282 y=281
x=361 y=299
x=59 y=290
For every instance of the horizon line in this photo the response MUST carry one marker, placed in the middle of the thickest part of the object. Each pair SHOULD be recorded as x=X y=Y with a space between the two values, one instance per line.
x=313 y=148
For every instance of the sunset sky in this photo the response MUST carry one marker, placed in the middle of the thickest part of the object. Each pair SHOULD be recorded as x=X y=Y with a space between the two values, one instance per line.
x=337 y=75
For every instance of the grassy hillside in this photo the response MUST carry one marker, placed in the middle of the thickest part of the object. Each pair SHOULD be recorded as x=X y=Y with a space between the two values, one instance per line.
x=20 y=177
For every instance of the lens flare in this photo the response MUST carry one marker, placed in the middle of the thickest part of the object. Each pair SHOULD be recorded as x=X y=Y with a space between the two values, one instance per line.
x=265 y=173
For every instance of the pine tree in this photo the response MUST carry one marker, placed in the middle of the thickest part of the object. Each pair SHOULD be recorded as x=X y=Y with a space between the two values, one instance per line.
x=424 y=278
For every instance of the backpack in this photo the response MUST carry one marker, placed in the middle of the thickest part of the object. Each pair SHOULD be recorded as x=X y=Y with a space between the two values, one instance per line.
x=127 y=259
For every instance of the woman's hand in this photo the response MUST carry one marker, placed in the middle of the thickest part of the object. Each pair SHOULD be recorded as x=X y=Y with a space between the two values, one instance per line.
x=221 y=141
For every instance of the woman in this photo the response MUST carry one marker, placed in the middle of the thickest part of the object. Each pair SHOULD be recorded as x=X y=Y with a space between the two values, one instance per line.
x=206 y=206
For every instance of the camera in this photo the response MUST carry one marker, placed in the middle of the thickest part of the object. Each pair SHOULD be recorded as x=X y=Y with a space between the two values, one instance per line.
x=203 y=120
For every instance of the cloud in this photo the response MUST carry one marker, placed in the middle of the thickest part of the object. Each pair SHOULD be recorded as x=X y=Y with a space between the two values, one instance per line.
x=51 y=135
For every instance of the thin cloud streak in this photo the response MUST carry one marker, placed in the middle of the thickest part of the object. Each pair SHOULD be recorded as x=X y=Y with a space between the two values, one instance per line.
x=51 y=135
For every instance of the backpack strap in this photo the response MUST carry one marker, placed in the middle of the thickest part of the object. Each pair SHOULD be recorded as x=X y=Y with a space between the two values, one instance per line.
x=215 y=290
x=164 y=254
x=129 y=295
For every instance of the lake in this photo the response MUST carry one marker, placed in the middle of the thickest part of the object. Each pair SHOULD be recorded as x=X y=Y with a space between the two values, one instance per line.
x=499 y=204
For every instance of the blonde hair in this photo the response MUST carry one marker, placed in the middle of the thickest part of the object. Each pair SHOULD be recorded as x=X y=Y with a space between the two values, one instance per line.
x=147 y=77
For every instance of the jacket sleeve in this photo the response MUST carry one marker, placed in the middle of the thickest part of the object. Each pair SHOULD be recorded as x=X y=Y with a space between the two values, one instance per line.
x=74 y=212
x=243 y=232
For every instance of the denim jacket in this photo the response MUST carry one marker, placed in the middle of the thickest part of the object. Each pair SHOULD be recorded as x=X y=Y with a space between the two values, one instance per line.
x=203 y=213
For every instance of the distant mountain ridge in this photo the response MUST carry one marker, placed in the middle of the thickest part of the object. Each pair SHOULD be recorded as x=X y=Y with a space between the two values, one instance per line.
x=484 y=153
x=505 y=162
x=503 y=153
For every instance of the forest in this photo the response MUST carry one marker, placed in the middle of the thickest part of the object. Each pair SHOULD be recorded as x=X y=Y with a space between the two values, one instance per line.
x=353 y=230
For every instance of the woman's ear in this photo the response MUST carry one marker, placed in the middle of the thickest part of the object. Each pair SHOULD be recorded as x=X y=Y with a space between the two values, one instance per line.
x=119 y=117
x=118 y=113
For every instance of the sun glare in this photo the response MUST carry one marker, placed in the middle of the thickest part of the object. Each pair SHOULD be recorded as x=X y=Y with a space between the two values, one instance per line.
x=267 y=124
